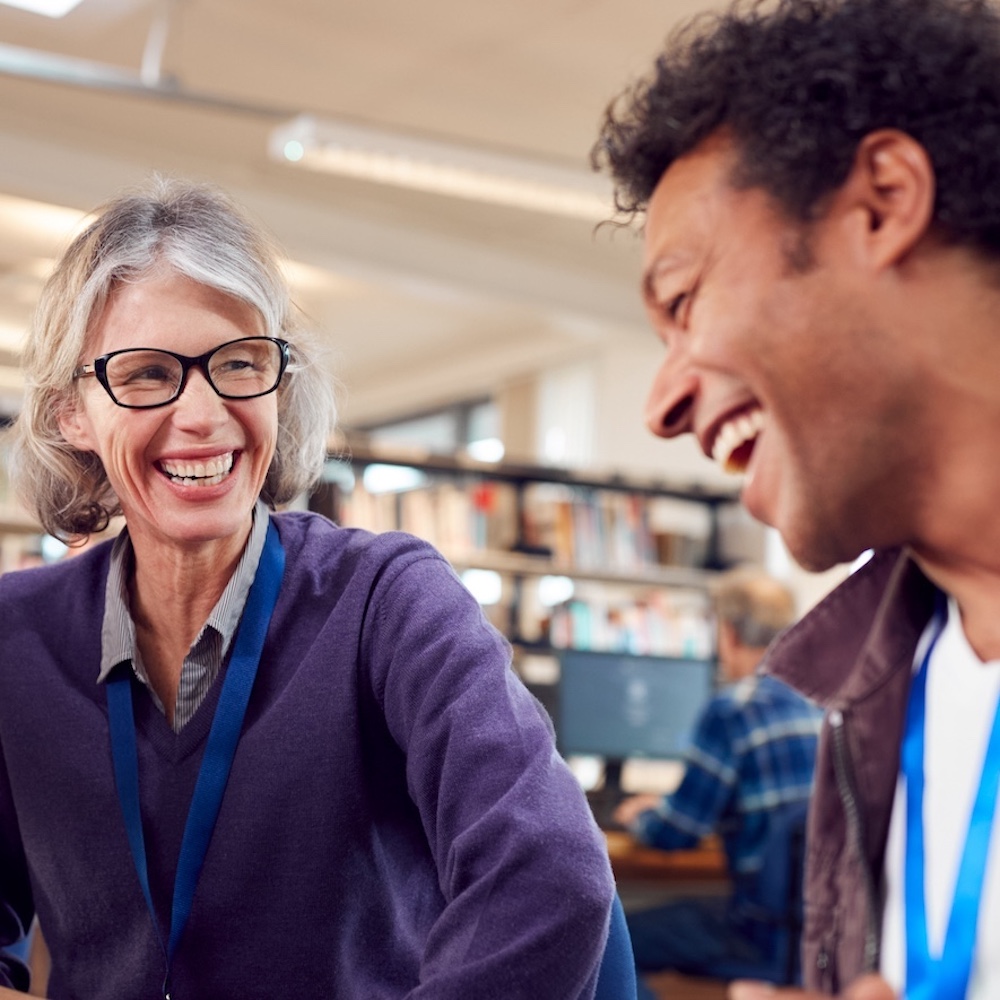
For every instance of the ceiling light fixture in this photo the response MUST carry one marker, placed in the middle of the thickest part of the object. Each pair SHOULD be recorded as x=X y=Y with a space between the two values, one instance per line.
x=436 y=167
x=346 y=148
x=50 y=8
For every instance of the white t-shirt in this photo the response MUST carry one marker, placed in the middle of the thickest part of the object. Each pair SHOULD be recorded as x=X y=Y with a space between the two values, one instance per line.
x=962 y=694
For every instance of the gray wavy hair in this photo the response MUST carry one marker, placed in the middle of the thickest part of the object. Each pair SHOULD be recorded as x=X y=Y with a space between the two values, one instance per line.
x=197 y=232
x=754 y=603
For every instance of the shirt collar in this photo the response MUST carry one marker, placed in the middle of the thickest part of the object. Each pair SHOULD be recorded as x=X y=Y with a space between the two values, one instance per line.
x=861 y=632
x=118 y=643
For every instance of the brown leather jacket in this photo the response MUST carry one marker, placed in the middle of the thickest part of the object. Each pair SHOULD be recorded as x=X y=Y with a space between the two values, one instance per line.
x=853 y=654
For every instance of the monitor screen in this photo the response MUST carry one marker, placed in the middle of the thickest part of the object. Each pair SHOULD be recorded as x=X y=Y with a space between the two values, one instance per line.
x=619 y=706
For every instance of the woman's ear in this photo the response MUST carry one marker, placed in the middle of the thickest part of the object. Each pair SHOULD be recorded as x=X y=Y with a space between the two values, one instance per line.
x=892 y=185
x=75 y=425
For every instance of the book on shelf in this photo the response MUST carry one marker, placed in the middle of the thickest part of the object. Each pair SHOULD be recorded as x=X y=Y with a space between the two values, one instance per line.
x=456 y=517
x=591 y=529
x=655 y=624
x=615 y=529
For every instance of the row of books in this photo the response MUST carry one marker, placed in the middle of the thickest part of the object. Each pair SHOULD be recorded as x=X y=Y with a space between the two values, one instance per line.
x=588 y=528
x=19 y=545
x=455 y=517
x=641 y=628
x=6 y=493
x=622 y=530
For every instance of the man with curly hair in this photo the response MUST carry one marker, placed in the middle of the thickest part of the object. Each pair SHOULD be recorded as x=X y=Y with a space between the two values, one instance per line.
x=819 y=186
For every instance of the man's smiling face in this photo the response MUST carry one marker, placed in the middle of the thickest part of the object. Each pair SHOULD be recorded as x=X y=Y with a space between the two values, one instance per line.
x=776 y=357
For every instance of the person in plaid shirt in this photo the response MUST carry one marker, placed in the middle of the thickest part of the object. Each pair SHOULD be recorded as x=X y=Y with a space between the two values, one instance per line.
x=751 y=756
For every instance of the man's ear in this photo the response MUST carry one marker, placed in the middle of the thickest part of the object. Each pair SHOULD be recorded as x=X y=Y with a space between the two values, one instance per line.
x=728 y=640
x=891 y=185
x=75 y=426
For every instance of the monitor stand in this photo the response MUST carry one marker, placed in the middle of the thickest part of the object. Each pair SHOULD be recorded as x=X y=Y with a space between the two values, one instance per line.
x=605 y=798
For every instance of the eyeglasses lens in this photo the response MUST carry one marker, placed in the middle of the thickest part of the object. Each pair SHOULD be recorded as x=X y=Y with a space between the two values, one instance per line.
x=241 y=369
x=143 y=378
x=245 y=367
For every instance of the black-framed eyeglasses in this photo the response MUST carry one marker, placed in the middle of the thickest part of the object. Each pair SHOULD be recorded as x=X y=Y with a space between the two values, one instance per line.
x=140 y=378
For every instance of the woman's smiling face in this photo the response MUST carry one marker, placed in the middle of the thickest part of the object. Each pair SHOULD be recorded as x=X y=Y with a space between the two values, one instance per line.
x=188 y=473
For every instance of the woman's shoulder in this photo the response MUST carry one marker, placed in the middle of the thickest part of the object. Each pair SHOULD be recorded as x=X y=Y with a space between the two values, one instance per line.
x=351 y=570
x=76 y=577
x=313 y=538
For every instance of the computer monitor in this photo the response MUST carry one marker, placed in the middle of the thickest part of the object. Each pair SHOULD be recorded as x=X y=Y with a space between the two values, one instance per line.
x=619 y=706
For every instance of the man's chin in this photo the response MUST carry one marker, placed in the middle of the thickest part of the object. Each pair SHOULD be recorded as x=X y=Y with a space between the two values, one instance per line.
x=812 y=548
x=817 y=552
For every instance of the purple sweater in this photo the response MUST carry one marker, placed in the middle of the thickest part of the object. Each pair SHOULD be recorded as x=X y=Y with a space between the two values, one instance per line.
x=397 y=822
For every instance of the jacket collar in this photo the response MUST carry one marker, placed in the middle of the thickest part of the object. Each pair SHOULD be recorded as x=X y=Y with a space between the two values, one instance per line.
x=858 y=635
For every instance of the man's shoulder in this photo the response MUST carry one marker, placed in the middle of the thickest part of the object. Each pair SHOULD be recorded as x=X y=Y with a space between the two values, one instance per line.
x=726 y=708
x=773 y=689
x=736 y=696
x=760 y=699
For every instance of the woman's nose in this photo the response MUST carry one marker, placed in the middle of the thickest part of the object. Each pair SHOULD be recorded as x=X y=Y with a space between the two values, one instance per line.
x=198 y=400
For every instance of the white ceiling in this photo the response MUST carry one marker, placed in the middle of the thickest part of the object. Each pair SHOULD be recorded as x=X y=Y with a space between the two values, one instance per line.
x=422 y=297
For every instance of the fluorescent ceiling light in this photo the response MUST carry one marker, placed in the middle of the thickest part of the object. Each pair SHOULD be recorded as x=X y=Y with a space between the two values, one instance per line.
x=12 y=337
x=47 y=227
x=440 y=168
x=11 y=379
x=50 y=8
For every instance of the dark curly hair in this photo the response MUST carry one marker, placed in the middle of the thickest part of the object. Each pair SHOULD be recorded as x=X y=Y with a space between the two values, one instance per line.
x=799 y=83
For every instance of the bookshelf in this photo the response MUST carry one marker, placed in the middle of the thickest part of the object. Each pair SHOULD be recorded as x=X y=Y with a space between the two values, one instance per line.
x=633 y=558
x=20 y=535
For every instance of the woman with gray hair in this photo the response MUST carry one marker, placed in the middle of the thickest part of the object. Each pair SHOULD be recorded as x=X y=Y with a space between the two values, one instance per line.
x=247 y=753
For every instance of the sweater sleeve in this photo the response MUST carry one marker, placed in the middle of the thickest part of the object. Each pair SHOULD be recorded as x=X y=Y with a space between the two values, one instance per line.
x=521 y=865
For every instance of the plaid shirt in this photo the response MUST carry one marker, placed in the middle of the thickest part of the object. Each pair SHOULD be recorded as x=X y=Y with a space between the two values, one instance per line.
x=753 y=750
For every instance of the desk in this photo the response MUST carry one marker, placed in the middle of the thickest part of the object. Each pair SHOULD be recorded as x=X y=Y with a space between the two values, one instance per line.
x=633 y=861
x=646 y=876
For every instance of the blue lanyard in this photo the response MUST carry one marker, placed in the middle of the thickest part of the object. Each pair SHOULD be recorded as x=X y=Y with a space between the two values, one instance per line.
x=945 y=977
x=219 y=750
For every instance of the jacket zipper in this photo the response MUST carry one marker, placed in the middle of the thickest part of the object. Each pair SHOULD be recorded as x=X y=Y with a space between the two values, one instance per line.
x=847 y=787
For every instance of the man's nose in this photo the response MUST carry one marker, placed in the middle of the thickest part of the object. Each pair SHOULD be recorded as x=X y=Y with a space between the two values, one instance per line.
x=670 y=405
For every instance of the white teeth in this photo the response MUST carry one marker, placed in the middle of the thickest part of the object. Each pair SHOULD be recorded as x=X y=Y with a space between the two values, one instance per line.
x=207 y=473
x=733 y=434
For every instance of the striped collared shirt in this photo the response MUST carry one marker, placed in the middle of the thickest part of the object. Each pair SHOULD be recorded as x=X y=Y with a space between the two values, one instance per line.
x=208 y=651
x=753 y=751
